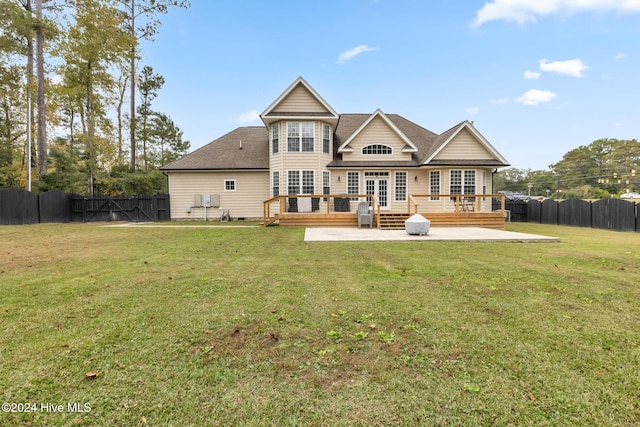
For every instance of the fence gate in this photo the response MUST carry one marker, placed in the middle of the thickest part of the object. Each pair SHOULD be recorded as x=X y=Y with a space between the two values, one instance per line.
x=120 y=208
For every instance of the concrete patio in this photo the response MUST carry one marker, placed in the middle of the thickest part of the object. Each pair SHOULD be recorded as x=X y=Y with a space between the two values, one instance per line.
x=466 y=234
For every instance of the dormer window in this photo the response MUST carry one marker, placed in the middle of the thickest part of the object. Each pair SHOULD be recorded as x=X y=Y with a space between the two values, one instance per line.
x=377 y=149
x=300 y=137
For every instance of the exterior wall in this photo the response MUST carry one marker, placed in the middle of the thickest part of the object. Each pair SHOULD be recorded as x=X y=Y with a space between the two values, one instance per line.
x=377 y=132
x=300 y=100
x=417 y=184
x=483 y=186
x=464 y=147
x=252 y=188
x=285 y=161
x=340 y=187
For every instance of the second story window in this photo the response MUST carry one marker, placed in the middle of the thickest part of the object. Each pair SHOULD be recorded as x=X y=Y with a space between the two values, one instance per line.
x=326 y=138
x=377 y=149
x=275 y=138
x=300 y=137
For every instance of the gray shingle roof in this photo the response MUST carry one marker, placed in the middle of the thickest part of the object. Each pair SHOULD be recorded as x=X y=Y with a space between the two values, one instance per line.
x=422 y=138
x=225 y=152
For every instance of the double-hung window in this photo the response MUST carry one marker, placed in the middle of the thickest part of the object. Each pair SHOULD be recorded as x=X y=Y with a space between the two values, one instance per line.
x=326 y=183
x=353 y=183
x=300 y=182
x=300 y=137
x=469 y=182
x=434 y=183
x=326 y=138
x=462 y=182
x=308 y=186
x=275 y=185
x=275 y=138
x=401 y=187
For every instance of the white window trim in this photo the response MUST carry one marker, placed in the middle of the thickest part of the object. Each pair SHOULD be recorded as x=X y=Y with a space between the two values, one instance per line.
x=431 y=185
x=273 y=182
x=275 y=131
x=300 y=137
x=395 y=185
x=235 y=186
x=357 y=174
x=301 y=185
x=328 y=138
x=378 y=146
x=463 y=181
x=327 y=175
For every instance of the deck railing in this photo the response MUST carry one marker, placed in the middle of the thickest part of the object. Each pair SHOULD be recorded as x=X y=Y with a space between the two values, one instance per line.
x=457 y=203
x=320 y=203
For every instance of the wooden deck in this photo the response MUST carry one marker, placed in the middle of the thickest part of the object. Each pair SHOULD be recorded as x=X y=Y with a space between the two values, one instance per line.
x=475 y=214
x=393 y=221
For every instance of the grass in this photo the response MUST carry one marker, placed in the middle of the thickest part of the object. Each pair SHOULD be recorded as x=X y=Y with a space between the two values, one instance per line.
x=253 y=326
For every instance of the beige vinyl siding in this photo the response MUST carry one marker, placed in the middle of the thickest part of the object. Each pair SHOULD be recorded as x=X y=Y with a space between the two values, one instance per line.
x=340 y=187
x=422 y=187
x=300 y=100
x=377 y=132
x=316 y=161
x=464 y=146
x=252 y=189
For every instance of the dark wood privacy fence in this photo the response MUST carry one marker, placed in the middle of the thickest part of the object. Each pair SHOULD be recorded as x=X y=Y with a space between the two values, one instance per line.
x=610 y=214
x=18 y=206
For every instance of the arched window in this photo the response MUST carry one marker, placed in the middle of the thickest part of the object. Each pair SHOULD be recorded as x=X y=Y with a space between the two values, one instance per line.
x=377 y=149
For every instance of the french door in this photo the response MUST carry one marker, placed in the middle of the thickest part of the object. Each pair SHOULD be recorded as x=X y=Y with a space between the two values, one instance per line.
x=378 y=183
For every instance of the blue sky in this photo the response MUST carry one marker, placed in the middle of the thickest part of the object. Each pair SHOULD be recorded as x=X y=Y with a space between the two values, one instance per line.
x=537 y=77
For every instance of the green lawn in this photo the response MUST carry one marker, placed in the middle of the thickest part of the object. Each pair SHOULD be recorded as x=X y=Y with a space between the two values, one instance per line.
x=253 y=326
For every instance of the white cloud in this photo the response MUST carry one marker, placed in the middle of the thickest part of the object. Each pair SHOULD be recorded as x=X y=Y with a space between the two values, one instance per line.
x=531 y=75
x=522 y=11
x=500 y=101
x=620 y=56
x=572 y=67
x=534 y=97
x=248 y=117
x=345 y=56
x=472 y=110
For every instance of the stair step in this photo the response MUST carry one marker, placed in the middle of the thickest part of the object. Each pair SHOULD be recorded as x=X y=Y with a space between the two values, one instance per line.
x=393 y=221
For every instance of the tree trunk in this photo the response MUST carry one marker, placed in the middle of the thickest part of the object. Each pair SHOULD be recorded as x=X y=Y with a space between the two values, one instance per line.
x=132 y=124
x=40 y=99
x=90 y=131
x=121 y=89
x=31 y=123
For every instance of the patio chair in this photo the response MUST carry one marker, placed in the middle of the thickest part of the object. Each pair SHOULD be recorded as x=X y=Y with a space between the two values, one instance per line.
x=364 y=216
x=468 y=204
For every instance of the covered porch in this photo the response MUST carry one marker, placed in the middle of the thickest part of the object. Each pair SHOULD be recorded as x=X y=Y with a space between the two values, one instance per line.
x=340 y=210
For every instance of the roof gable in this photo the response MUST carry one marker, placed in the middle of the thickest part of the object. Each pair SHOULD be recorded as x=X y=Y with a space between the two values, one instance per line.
x=298 y=100
x=463 y=142
x=376 y=119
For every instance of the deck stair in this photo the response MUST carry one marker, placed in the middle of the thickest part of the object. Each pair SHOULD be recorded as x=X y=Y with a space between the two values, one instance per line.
x=392 y=220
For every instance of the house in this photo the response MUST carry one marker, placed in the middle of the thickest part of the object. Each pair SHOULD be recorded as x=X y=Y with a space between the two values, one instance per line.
x=306 y=148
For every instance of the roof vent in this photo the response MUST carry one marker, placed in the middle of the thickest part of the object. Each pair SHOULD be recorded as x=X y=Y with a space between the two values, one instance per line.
x=241 y=144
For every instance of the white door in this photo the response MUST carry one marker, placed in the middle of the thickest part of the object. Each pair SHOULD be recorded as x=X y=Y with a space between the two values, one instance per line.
x=379 y=187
